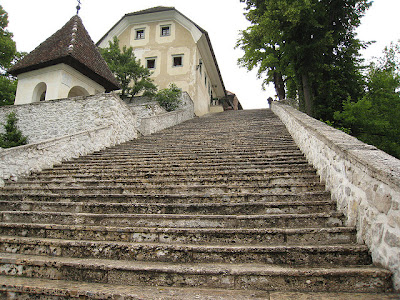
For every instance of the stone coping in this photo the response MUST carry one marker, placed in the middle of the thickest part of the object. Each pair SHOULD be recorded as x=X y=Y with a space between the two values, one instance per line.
x=377 y=163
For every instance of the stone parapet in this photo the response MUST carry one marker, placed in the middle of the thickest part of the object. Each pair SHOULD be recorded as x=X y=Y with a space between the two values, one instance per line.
x=363 y=180
x=154 y=123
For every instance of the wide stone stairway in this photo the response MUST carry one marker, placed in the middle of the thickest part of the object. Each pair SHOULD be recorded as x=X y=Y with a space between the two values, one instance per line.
x=219 y=207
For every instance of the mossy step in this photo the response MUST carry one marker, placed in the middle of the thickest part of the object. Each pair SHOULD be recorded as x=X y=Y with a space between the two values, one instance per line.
x=299 y=255
x=198 y=236
x=215 y=275
x=169 y=198
x=331 y=219
x=171 y=208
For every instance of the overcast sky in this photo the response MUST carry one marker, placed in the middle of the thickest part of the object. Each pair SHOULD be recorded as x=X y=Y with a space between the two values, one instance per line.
x=33 y=21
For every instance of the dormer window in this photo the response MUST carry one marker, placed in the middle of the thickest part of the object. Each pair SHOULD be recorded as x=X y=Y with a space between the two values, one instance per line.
x=139 y=34
x=165 y=30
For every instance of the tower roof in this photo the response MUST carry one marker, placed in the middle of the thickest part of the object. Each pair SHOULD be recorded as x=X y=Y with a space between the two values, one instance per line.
x=73 y=46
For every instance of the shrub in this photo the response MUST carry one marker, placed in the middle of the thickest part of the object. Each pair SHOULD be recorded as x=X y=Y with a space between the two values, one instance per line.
x=169 y=98
x=13 y=136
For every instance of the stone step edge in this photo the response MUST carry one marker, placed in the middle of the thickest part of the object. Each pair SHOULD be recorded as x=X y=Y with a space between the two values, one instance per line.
x=182 y=205
x=125 y=229
x=333 y=214
x=188 y=268
x=342 y=248
x=76 y=290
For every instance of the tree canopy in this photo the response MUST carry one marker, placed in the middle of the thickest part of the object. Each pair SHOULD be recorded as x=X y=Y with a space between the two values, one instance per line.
x=375 y=119
x=8 y=55
x=133 y=77
x=307 y=48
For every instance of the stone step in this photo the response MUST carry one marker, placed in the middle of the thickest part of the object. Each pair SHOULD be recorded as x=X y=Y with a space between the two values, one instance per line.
x=299 y=255
x=190 y=164
x=262 y=183
x=36 y=288
x=279 y=169
x=156 y=181
x=331 y=219
x=169 y=198
x=197 y=236
x=215 y=275
x=168 y=208
x=182 y=176
x=104 y=155
x=166 y=189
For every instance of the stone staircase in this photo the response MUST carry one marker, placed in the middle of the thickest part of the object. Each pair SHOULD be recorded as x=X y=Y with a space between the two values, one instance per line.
x=219 y=207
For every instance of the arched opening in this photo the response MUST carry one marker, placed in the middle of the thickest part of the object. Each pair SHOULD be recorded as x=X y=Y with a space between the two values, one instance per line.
x=39 y=93
x=77 y=91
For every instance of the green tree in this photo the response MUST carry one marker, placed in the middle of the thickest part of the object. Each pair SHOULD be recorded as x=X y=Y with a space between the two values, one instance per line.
x=309 y=43
x=133 y=77
x=169 y=98
x=375 y=119
x=13 y=136
x=8 y=55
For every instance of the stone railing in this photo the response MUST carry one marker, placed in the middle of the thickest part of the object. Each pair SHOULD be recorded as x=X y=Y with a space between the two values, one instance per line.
x=25 y=159
x=363 y=180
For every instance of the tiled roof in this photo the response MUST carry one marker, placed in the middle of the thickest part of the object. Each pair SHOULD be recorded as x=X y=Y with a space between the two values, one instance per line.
x=73 y=46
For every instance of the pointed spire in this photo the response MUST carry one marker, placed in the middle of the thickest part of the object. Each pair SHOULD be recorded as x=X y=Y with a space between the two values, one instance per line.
x=78 y=8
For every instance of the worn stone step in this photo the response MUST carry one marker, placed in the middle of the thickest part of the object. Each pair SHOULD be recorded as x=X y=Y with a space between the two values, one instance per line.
x=331 y=219
x=36 y=288
x=104 y=155
x=167 y=189
x=299 y=255
x=198 y=236
x=170 y=208
x=182 y=176
x=169 y=198
x=188 y=163
x=215 y=275
x=24 y=288
x=156 y=181
x=288 y=168
x=168 y=183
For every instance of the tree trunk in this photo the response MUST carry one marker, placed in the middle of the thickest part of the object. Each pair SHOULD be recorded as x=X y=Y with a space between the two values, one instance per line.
x=279 y=86
x=308 y=99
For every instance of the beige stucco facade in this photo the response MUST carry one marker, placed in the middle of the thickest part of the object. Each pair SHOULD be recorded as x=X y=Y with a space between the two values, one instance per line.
x=183 y=56
x=54 y=82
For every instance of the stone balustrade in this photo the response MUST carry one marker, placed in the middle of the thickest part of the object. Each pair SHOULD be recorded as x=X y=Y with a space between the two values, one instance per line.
x=363 y=180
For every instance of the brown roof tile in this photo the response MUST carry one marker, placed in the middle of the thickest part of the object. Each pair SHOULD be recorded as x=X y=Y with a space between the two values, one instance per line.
x=73 y=46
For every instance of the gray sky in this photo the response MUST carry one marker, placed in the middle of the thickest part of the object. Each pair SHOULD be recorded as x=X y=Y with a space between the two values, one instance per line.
x=32 y=22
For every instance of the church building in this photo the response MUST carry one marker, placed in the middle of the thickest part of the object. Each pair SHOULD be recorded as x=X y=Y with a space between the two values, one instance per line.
x=67 y=64
x=175 y=49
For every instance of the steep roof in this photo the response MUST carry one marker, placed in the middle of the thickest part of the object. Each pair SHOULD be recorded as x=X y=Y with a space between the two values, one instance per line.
x=73 y=46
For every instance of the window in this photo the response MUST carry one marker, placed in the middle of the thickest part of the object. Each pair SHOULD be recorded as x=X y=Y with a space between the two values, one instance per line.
x=139 y=35
x=165 y=30
x=151 y=63
x=177 y=60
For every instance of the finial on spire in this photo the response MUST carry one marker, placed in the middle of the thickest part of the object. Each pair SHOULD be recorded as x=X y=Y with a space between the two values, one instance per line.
x=78 y=7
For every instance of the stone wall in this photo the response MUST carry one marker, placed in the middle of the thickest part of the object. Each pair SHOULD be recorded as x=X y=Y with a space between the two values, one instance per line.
x=23 y=160
x=363 y=180
x=49 y=119
x=61 y=129
x=156 y=122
